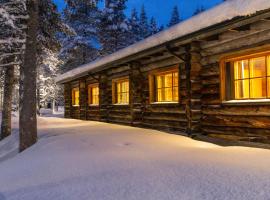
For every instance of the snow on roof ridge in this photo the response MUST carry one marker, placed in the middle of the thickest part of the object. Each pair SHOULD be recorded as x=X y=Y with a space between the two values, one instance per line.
x=220 y=13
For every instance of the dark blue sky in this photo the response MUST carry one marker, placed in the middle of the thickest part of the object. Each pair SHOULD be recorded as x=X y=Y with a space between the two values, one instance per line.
x=161 y=9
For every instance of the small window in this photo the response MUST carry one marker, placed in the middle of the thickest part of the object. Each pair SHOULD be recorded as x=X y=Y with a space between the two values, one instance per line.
x=121 y=91
x=247 y=78
x=165 y=87
x=93 y=94
x=75 y=97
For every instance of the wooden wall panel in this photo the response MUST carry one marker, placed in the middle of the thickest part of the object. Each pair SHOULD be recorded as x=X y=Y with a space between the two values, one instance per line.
x=232 y=122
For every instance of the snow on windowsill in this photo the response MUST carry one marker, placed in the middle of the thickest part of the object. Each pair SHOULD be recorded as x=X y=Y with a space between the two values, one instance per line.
x=120 y=104
x=165 y=102
x=247 y=102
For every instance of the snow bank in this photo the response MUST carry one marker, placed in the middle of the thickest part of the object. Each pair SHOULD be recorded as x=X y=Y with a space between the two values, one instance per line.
x=95 y=161
x=9 y=147
x=225 y=11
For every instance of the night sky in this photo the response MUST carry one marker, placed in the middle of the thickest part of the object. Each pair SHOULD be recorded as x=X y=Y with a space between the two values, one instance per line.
x=161 y=9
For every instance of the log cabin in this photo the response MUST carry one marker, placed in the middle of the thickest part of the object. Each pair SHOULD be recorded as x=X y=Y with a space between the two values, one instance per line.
x=208 y=76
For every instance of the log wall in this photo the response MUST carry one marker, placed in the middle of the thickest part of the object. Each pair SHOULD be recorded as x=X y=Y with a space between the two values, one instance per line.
x=200 y=109
x=247 y=122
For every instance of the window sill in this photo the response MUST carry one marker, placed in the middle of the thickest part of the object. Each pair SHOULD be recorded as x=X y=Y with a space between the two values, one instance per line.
x=121 y=104
x=161 y=103
x=247 y=102
x=93 y=105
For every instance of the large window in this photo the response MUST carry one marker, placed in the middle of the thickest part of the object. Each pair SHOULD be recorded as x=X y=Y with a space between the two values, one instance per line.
x=164 y=86
x=75 y=97
x=93 y=94
x=248 y=78
x=121 y=91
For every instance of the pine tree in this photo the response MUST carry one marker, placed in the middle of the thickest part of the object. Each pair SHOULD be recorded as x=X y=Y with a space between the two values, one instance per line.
x=199 y=10
x=134 y=23
x=12 y=37
x=51 y=25
x=6 y=113
x=161 y=28
x=113 y=29
x=175 y=17
x=144 y=32
x=12 y=26
x=153 y=26
x=81 y=46
x=28 y=72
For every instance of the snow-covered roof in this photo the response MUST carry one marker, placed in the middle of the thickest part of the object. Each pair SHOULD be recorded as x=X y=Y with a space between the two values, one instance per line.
x=223 y=12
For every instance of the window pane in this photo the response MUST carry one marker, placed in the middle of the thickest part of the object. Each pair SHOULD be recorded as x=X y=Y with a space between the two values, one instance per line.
x=165 y=85
x=241 y=69
x=122 y=92
x=242 y=89
x=158 y=81
x=175 y=79
x=268 y=65
x=168 y=94
x=168 y=80
x=258 y=88
x=159 y=95
x=257 y=67
x=118 y=87
x=126 y=98
x=119 y=99
x=75 y=97
x=89 y=94
x=127 y=86
x=268 y=87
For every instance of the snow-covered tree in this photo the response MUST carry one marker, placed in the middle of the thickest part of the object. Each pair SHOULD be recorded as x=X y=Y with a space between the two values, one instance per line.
x=153 y=27
x=199 y=10
x=81 y=46
x=51 y=25
x=134 y=22
x=12 y=26
x=49 y=91
x=113 y=29
x=144 y=26
x=12 y=39
x=175 y=17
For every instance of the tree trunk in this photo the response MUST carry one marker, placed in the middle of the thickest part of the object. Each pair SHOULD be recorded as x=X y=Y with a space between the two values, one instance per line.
x=53 y=106
x=38 y=100
x=28 y=74
x=7 y=108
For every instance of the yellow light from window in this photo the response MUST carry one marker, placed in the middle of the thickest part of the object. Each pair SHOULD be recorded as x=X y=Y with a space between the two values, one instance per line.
x=122 y=90
x=167 y=87
x=93 y=95
x=75 y=97
x=250 y=78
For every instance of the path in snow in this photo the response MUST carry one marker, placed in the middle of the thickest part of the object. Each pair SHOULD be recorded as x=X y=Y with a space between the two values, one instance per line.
x=79 y=160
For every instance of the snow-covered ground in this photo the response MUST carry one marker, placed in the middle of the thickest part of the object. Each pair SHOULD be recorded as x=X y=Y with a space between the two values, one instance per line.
x=79 y=160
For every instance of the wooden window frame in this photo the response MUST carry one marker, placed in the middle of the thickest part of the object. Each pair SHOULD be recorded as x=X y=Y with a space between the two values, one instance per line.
x=73 y=97
x=90 y=95
x=152 y=84
x=114 y=90
x=227 y=94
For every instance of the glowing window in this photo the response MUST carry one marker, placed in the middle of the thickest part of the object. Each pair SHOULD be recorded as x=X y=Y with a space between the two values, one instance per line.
x=121 y=91
x=93 y=94
x=248 y=78
x=166 y=87
x=75 y=97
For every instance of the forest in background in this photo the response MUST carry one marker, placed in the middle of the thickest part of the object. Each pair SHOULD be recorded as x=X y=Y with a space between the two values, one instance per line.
x=37 y=43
